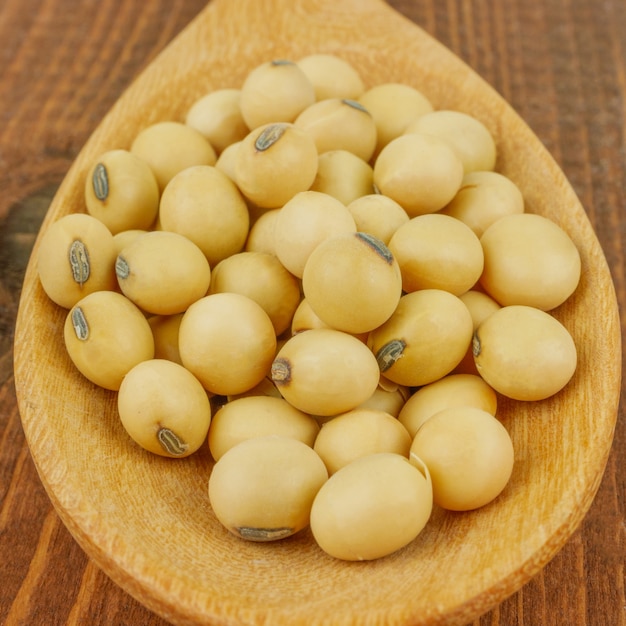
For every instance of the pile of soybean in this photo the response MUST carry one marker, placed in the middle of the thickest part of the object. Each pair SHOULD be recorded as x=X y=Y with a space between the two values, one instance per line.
x=326 y=284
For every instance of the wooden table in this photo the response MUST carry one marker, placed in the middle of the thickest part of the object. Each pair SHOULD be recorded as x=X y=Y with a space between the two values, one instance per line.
x=561 y=64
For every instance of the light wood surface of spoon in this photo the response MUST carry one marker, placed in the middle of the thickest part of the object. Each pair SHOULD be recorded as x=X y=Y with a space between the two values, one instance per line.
x=146 y=521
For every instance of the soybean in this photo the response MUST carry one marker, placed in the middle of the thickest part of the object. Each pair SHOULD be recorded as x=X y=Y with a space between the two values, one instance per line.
x=106 y=335
x=122 y=192
x=372 y=507
x=164 y=408
x=469 y=454
x=76 y=257
x=263 y=488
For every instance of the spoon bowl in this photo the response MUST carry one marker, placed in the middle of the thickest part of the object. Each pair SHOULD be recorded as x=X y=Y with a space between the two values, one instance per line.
x=146 y=520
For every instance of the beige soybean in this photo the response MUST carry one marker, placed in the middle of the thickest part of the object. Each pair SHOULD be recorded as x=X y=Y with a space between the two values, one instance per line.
x=170 y=147
x=205 y=206
x=164 y=408
x=358 y=433
x=524 y=353
x=529 y=260
x=422 y=173
x=226 y=160
x=165 y=333
x=163 y=272
x=265 y=388
x=481 y=306
x=331 y=76
x=453 y=390
x=304 y=318
x=352 y=282
x=343 y=175
x=274 y=162
x=377 y=215
x=325 y=372
x=122 y=192
x=340 y=124
x=227 y=341
x=415 y=354
x=306 y=220
x=258 y=416
x=372 y=507
x=437 y=251
x=263 y=278
x=76 y=257
x=469 y=454
x=217 y=116
x=470 y=139
x=483 y=198
x=125 y=238
x=261 y=233
x=387 y=399
x=275 y=91
x=394 y=106
x=263 y=488
x=106 y=335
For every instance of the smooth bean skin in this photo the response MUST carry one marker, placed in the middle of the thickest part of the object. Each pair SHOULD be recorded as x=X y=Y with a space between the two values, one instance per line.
x=227 y=341
x=437 y=251
x=331 y=76
x=377 y=215
x=358 y=433
x=76 y=257
x=393 y=106
x=164 y=408
x=422 y=173
x=217 y=116
x=339 y=124
x=325 y=372
x=204 y=205
x=265 y=388
x=483 y=198
x=261 y=233
x=122 y=192
x=469 y=454
x=258 y=416
x=469 y=137
x=304 y=318
x=226 y=160
x=481 y=306
x=274 y=162
x=165 y=333
x=387 y=399
x=170 y=147
x=343 y=175
x=372 y=507
x=163 y=272
x=417 y=354
x=529 y=260
x=524 y=353
x=453 y=390
x=261 y=277
x=306 y=220
x=106 y=335
x=262 y=489
x=352 y=282
x=275 y=91
x=125 y=238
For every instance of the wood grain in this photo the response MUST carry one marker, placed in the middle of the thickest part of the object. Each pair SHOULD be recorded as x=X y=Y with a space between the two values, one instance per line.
x=561 y=66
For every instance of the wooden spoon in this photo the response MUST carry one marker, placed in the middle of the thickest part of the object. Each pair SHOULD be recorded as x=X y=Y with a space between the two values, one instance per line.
x=146 y=521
